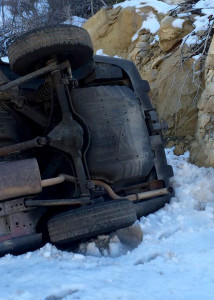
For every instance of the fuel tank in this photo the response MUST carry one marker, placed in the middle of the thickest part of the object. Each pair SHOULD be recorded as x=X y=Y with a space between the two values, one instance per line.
x=119 y=143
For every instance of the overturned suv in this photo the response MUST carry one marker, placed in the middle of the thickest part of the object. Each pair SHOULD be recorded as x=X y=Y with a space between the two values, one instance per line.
x=81 y=148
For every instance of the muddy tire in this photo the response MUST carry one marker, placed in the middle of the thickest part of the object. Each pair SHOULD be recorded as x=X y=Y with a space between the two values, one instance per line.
x=89 y=221
x=35 y=47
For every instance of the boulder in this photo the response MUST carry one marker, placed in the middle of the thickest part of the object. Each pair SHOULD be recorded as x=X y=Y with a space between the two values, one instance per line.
x=112 y=29
x=172 y=32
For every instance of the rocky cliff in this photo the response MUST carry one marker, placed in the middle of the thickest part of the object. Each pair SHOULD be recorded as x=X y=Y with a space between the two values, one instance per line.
x=169 y=44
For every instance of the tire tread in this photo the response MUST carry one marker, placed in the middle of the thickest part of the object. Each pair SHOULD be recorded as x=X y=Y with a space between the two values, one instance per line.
x=91 y=220
x=32 y=46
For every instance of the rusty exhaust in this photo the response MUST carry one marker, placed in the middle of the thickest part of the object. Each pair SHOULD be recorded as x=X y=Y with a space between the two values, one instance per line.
x=19 y=178
x=22 y=178
x=133 y=197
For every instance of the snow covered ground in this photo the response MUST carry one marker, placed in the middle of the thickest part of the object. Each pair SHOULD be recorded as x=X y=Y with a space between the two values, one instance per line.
x=174 y=262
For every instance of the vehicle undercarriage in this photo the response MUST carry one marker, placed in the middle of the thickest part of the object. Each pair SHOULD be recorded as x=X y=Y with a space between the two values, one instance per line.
x=81 y=145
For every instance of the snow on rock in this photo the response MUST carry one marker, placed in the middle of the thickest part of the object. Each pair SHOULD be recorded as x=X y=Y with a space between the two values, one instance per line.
x=174 y=262
x=201 y=22
x=159 y=6
x=151 y=23
x=100 y=52
x=196 y=57
x=116 y=56
x=178 y=23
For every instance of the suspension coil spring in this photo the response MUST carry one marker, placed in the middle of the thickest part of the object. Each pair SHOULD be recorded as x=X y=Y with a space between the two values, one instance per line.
x=45 y=91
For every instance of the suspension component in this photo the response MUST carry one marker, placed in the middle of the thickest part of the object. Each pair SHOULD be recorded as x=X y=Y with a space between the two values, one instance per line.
x=45 y=91
x=35 y=143
x=68 y=134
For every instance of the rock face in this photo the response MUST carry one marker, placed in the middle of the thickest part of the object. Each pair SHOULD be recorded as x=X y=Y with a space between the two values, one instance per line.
x=112 y=29
x=175 y=77
x=170 y=33
x=203 y=146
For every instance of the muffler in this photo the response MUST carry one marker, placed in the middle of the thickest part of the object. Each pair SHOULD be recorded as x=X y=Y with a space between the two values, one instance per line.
x=22 y=178
x=19 y=178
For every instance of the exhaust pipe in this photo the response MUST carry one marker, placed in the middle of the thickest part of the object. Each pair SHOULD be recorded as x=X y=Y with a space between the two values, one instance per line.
x=22 y=178
x=133 y=197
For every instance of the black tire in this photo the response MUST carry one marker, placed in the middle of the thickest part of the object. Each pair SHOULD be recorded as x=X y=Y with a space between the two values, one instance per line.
x=38 y=45
x=91 y=220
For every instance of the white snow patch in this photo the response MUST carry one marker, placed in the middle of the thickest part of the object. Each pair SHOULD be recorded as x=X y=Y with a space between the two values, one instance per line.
x=104 y=245
x=100 y=52
x=156 y=39
x=151 y=24
x=159 y=6
x=196 y=57
x=5 y=59
x=181 y=15
x=178 y=23
x=135 y=36
x=116 y=56
x=205 y=4
x=201 y=23
x=92 y=249
x=190 y=39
